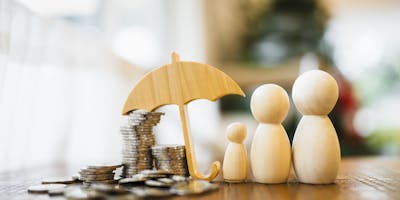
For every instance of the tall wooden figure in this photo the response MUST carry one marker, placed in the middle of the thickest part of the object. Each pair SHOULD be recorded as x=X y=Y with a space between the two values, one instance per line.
x=316 y=151
x=270 y=149
x=234 y=168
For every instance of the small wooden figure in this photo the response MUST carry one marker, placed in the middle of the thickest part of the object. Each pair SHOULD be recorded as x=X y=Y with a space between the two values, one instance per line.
x=234 y=167
x=270 y=149
x=316 y=151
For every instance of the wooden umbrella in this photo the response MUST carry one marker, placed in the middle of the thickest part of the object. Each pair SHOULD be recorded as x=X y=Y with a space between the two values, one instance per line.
x=179 y=83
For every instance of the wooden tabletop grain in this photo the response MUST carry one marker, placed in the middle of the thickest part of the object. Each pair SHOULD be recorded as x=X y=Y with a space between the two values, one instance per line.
x=359 y=178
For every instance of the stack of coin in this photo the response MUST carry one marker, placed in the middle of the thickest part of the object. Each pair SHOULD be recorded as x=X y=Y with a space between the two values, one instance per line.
x=170 y=158
x=102 y=173
x=138 y=138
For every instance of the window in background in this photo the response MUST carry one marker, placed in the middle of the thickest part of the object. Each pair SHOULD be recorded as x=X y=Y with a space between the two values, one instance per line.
x=67 y=67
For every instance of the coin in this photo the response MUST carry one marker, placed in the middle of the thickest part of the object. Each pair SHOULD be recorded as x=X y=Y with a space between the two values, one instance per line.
x=56 y=192
x=154 y=172
x=171 y=158
x=137 y=135
x=166 y=180
x=132 y=180
x=104 y=172
x=104 y=166
x=45 y=188
x=60 y=180
x=154 y=183
x=178 y=178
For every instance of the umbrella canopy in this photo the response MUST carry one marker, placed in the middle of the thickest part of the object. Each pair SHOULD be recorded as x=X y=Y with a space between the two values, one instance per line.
x=179 y=83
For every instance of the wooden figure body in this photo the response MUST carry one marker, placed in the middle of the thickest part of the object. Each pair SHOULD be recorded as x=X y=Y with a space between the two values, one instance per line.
x=270 y=149
x=316 y=150
x=234 y=167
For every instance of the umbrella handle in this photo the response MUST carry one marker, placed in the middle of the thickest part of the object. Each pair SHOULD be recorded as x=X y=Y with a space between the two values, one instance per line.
x=190 y=155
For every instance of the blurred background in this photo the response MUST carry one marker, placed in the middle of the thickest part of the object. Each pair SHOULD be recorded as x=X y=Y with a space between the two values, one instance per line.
x=67 y=66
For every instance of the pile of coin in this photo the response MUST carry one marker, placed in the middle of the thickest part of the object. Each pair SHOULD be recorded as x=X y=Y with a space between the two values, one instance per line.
x=138 y=137
x=170 y=158
x=148 y=184
x=102 y=173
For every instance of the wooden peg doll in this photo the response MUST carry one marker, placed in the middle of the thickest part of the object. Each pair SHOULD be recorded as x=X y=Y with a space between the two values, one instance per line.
x=235 y=160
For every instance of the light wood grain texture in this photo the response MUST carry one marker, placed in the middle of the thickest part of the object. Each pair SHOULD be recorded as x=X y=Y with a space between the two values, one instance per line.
x=316 y=150
x=270 y=149
x=179 y=83
x=359 y=178
x=234 y=168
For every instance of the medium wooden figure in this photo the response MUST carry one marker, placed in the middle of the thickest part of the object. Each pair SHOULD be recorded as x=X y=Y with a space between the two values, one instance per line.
x=316 y=151
x=234 y=167
x=270 y=149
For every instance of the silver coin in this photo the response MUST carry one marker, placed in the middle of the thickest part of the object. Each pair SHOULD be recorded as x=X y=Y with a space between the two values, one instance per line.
x=91 y=173
x=169 y=146
x=96 y=175
x=170 y=164
x=45 y=188
x=101 y=181
x=95 y=172
x=178 y=178
x=136 y=130
x=60 y=180
x=104 y=166
x=177 y=152
x=152 y=172
x=137 y=158
x=166 y=180
x=132 y=180
x=97 y=178
x=56 y=192
x=76 y=177
x=154 y=183
x=135 y=166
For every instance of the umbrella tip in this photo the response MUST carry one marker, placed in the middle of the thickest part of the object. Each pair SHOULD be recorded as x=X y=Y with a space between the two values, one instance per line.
x=174 y=57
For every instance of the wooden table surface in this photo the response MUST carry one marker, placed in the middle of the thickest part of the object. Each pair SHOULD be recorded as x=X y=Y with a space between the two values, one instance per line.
x=359 y=178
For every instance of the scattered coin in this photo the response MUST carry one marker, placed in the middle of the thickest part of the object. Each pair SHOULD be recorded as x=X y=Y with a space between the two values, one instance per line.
x=56 y=192
x=60 y=180
x=45 y=188
x=154 y=183
x=132 y=180
x=166 y=180
x=178 y=178
x=148 y=170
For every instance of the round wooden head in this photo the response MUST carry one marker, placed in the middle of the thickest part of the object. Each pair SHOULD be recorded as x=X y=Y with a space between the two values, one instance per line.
x=269 y=104
x=315 y=93
x=236 y=132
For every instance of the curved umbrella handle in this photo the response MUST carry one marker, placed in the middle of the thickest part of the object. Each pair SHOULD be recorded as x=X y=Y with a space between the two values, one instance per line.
x=190 y=155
